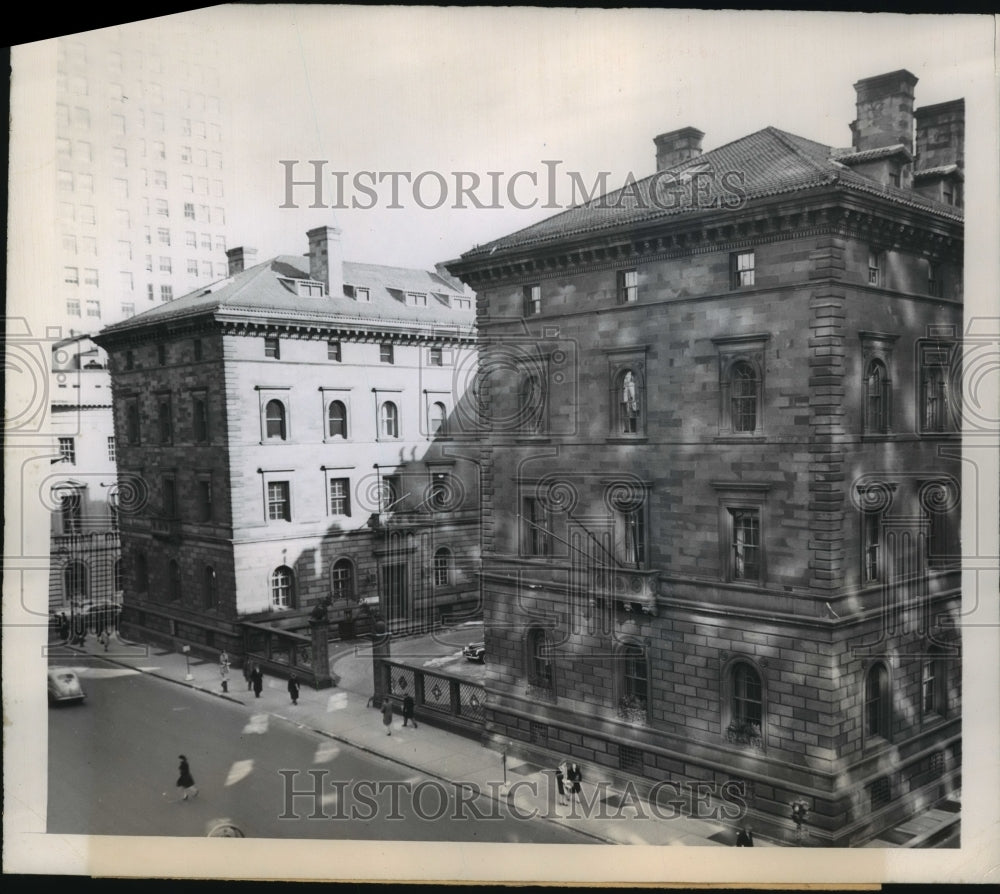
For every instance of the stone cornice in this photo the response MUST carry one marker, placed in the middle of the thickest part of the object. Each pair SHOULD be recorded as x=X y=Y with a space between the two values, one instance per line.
x=833 y=210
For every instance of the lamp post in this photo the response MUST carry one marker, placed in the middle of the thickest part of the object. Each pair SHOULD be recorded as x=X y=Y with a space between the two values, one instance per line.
x=187 y=655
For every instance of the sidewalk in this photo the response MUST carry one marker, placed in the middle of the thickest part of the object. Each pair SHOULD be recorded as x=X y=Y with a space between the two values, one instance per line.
x=343 y=714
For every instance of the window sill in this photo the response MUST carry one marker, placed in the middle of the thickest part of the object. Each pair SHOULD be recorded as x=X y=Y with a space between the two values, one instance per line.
x=628 y=439
x=750 y=438
x=869 y=437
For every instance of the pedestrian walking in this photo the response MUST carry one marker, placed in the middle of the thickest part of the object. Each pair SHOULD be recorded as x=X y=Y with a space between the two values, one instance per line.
x=745 y=838
x=185 y=780
x=575 y=776
x=224 y=669
x=293 y=688
x=248 y=674
x=408 y=710
x=64 y=628
x=387 y=714
x=258 y=680
x=561 y=784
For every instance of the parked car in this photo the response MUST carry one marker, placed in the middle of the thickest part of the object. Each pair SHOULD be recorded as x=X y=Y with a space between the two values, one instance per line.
x=64 y=686
x=475 y=652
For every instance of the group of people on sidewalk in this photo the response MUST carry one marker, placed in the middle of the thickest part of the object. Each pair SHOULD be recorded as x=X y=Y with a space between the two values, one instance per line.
x=408 y=712
x=568 y=779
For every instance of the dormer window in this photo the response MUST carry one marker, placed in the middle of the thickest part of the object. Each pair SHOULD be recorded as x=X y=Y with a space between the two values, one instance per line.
x=309 y=288
x=360 y=294
x=461 y=303
x=416 y=299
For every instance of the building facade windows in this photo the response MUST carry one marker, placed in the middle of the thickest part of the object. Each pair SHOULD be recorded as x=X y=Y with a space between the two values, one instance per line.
x=342 y=579
x=385 y=353
x=941 y=509
x=282 y=587
x=743 y=704
x=76 y=581
x=279 y=504
x=275 y=421
x=442 y=567
x=169 y=497
x=71 y=511
x=272 y=348
x=871 y=536
x=203 y=488
x=442 y=492
x=67 y=450
x=389 y=420
x=627 y=397
x=111 y=448
x=633 y=699
x=165 y=420
x=744 y=562
x=336 y=417
x=333 y=351
x=435 y=357
x=340 y=496
x=199 y=418
x=539 y=660
x=174 y=589
x=742 y=269
x=741 y=385
x=876 y=356
x=741 y=531
x=877 y=704
x=876 y=262
x=132 y=421
x=936 y=412
x=532 y=300
x=536 y=537
x=630 y=531
x=436 y=415
x=210 y=588
x=628 y=286
x=530 y=404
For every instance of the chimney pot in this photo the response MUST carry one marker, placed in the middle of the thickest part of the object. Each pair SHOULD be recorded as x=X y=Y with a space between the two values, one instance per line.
x=676 y=146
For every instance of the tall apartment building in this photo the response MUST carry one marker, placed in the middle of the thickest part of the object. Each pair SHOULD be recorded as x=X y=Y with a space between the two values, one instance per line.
x=141 y=179
x=721 y=473
x=289 y=436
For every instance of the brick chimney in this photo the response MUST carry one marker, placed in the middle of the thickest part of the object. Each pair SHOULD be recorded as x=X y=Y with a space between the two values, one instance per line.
x=326 y=259
x=241 y=258
x=941 y=135
x=676 y=146
x=885 y=111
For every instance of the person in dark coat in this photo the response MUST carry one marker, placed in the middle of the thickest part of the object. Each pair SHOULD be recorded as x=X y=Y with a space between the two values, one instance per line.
x=408 y=710
x=575 y=776
x=64 y=628
x=561 y=784
x=258 y=680
x=185 y=780
x=248 y=674
x=387 y=715
x=293 y=688
x=745 y=838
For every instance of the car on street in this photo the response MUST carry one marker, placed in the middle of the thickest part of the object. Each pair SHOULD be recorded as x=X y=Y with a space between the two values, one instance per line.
x=64 y=686
x=475 y=652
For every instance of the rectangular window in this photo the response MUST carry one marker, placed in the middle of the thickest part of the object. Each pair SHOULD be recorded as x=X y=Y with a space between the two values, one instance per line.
x=166 y=421
x=192 y=267
x=435 y=357
x=385 y=353
x=163 y=235
x=630 y=536
x=111 y=448
x=128 y=309
x=93 y=308
x=442 y=491
x=205 y=499
x=278 y=502
x=199 y=418
x=90 y=276
x=189 y=213
x=741 y=266
x=532 y=300
x=166 y=266
x=73 y=307
x=67 y=450
x=333 y=351
x=537 y=537
x=71 y=510
x=745 y=544
x=166 y=293
x=271 y=347
x=416 y=299
x=71 y=275
x=362 y=295
x=934 y=280
x=874 y=267
x=162 y=209
x=340 y=496
x=628 y=286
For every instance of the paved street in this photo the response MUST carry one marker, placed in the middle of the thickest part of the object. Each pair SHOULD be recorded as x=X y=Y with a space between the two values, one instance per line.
x=112 y=758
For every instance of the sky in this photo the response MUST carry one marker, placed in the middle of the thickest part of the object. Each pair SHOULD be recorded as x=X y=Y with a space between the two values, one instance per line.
x=479 y=90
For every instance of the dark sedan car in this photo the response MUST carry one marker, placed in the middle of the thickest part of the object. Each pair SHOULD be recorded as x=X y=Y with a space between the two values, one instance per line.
x=64 y=686
x=475 y=652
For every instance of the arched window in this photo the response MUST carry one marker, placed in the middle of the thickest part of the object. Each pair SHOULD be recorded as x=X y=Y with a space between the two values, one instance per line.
x=743 y=397
x=436 y=417
x=337 y=419
x=442 y=567
x=275 y=420
x=76 y=581
x=141 y=572
x=282 y=587
x=876 y=398
x=877 y=714
x=389 y=420
x=210 y=586
x=539 y=659
x=342 y=579
x=174 y=580
x=628 y=400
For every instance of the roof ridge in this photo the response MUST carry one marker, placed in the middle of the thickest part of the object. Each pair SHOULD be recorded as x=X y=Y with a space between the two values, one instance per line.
x=783 y=137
